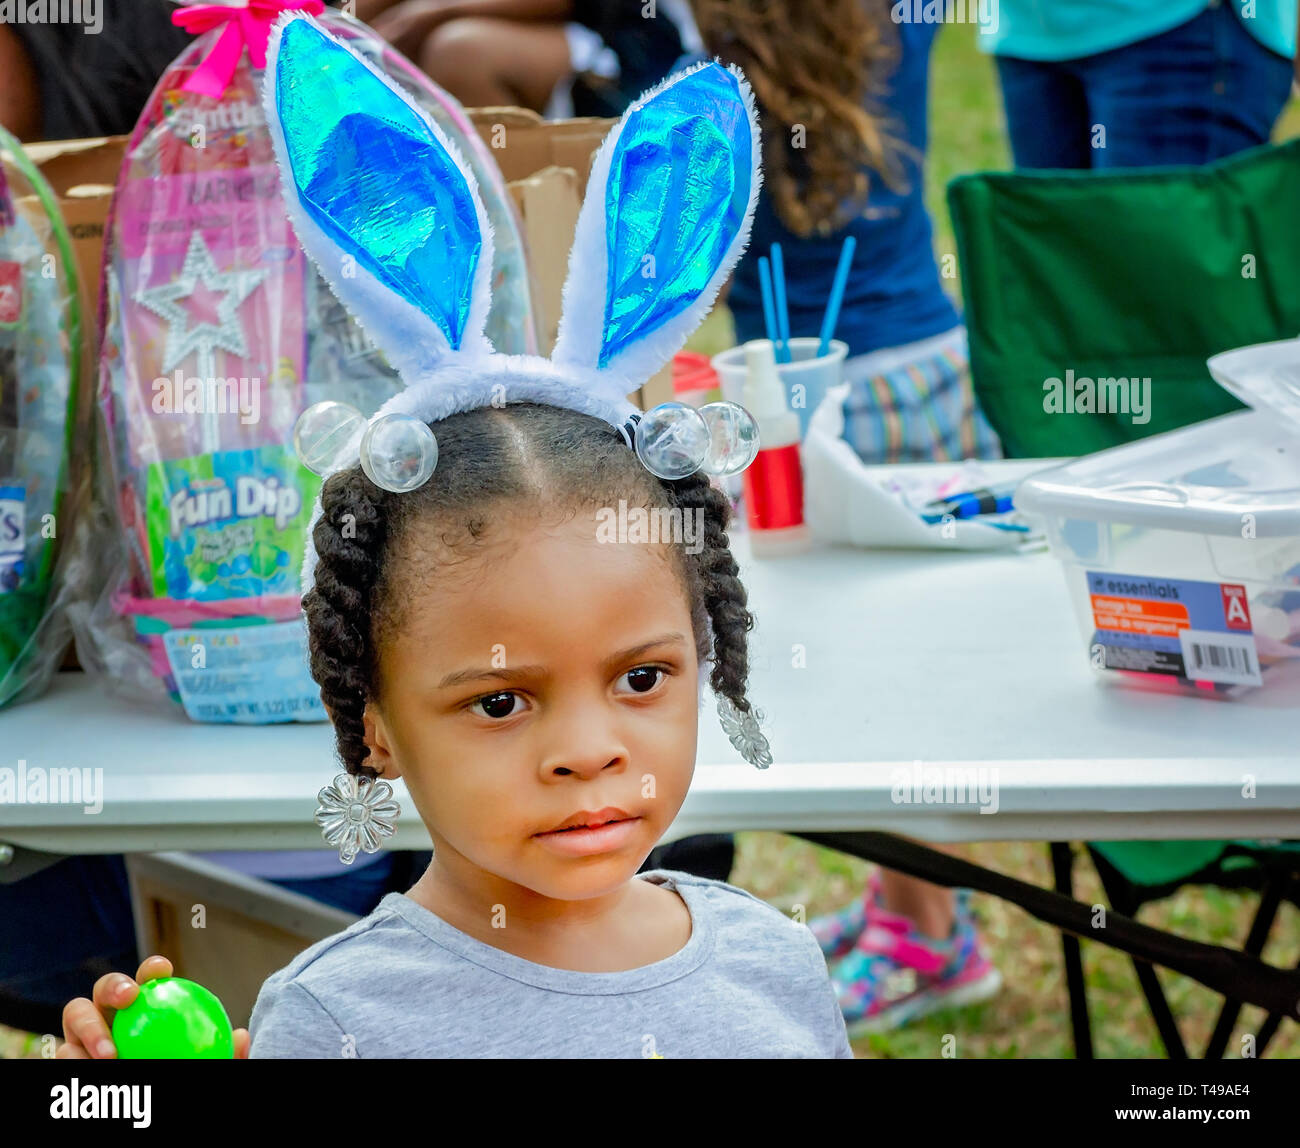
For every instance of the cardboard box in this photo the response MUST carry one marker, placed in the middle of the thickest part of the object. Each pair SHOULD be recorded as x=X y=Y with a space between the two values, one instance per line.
x=546 y=165
x=82 y=174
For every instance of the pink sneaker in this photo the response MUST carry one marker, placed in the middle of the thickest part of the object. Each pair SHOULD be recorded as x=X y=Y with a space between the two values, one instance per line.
x=894 y=973
x=836 y=932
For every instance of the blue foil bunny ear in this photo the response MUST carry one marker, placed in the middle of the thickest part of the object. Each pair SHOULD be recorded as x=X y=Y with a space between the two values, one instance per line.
x=666 y=217
x=380 y=199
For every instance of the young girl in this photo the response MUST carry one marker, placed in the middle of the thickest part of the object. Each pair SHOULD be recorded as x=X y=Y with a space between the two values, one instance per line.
x=478 y=633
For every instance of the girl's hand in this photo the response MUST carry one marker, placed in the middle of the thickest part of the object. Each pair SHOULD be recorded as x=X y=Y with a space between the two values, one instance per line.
x=407 y=24
x=87 y=1024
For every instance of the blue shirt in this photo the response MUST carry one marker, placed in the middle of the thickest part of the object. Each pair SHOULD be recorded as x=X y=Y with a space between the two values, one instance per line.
x=894 y=294
x=1060 y=30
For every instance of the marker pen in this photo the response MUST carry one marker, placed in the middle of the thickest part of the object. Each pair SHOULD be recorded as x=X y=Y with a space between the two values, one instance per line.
x=773 y=482
x=970 y=503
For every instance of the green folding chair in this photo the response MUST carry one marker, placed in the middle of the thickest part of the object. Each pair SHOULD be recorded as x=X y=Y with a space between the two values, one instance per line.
x=1141 y=273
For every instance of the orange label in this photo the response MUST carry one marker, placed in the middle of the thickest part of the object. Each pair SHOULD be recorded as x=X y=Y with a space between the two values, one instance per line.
x=1139 y=616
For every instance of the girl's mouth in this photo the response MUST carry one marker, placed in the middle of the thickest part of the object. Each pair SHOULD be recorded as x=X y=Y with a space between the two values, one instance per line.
x=586 y=841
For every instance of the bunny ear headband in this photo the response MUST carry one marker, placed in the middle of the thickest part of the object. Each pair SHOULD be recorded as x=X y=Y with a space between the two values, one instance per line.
x=389 y=211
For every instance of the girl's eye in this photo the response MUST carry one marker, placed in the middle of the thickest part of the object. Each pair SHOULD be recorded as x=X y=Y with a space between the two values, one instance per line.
x=500 y=705
x=644 y=678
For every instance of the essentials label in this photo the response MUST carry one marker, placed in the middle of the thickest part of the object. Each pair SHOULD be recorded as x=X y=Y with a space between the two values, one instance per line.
x=1195 y=630
x=246 y=674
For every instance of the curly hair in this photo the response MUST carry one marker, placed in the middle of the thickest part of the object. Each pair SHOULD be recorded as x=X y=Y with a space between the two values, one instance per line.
x=812 y=65
x=522 y=459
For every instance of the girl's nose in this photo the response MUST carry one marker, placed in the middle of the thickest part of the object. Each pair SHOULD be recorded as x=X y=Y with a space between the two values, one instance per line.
x=584 y=740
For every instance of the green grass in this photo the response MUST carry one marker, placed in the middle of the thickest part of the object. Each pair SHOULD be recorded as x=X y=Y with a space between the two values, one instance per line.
x=967 y=128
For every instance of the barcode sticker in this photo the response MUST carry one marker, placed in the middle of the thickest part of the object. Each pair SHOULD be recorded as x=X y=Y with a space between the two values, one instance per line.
x=1211 y=656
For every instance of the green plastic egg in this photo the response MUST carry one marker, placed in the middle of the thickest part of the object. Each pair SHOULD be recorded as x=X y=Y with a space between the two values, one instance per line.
x=173 y=1019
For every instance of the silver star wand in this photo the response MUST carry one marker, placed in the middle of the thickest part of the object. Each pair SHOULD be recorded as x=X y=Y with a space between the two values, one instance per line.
x=203 y=338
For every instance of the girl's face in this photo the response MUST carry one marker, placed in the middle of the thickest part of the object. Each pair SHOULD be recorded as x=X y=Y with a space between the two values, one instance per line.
x=549 y=675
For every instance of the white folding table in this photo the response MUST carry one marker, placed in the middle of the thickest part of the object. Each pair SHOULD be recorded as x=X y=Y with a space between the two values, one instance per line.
x=874 y=668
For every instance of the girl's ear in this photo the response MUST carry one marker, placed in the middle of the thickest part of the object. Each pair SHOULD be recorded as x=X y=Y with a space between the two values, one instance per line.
x=380 y=199
x=666 y=217
x=380 y=758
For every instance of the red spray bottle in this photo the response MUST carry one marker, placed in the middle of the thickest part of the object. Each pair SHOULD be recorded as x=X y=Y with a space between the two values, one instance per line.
x=773 y=483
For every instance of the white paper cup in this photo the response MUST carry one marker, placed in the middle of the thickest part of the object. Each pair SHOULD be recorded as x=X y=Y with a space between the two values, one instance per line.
x=806 y=377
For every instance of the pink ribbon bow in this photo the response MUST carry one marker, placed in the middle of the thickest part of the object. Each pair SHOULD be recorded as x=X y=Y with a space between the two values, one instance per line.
x=247 y=26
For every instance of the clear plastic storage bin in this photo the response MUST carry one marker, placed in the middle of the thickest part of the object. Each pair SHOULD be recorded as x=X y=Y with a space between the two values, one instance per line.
x=1182 y=550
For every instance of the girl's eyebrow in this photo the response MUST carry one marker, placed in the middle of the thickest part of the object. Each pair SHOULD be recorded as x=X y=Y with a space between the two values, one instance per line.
x=514 y=673
x=634 y=651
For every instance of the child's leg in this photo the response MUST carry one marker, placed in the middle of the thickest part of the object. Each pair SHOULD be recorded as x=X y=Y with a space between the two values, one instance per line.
x=932 y=908
x=497 y=63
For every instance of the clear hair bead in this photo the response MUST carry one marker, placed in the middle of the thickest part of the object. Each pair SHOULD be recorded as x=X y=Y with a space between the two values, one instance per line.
x=323 y=434
x=399 y=453
x=733 y=438
x=672 y=440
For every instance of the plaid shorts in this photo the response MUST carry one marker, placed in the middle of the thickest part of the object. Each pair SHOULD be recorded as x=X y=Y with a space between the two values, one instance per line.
x=918 y=408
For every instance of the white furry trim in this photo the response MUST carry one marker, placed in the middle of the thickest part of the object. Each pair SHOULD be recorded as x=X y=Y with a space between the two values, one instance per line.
x=409 y=338
x=501 y=379
x=308 y=579
x=582 y=318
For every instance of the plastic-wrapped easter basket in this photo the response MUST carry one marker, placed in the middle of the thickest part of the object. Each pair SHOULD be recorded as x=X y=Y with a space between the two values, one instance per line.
x=40 y=363
x=218 y=333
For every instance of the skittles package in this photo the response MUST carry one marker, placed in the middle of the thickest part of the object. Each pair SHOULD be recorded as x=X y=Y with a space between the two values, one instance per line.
x=217 y=333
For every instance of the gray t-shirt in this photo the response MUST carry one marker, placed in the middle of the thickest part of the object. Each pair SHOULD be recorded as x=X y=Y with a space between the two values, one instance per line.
x=749 y=984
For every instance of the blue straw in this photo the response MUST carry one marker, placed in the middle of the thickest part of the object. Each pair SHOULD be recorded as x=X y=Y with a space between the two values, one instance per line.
x=782 y=315
x=837 y=296
x=765 y=284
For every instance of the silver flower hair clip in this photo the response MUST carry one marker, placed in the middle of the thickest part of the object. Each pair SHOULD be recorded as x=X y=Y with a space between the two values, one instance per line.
x=745 y=733
x=356 y=814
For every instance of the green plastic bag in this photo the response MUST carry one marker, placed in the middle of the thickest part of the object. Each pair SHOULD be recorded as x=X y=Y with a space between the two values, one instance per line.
x=40 y=364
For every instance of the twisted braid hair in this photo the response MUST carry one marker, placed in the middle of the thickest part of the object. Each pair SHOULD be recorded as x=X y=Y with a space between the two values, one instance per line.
x=525 y=459
x=717 y=593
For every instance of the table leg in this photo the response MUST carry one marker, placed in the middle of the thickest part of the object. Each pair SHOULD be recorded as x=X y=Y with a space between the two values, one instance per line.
x=1063 y=875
